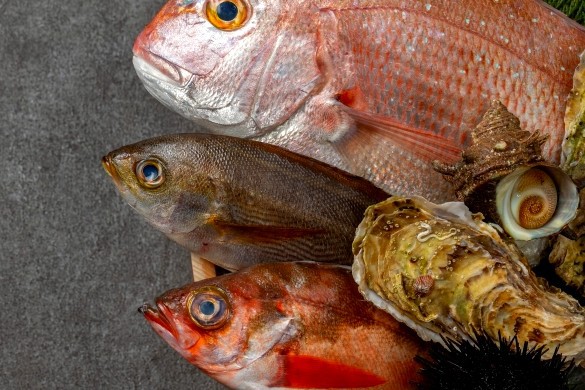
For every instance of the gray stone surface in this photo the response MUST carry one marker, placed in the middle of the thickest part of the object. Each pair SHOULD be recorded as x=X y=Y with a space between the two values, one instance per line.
x=75 y=261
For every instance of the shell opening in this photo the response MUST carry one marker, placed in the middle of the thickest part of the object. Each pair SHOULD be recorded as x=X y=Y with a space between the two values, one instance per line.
x=534 y=199
x=534 y=202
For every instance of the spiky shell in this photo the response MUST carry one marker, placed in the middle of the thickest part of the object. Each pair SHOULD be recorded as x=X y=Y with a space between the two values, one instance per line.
x=481 y=283
x=500 y=155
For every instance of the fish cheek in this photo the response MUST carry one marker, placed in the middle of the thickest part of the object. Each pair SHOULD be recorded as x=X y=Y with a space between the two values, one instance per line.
x=188 y=211
x=288 y=81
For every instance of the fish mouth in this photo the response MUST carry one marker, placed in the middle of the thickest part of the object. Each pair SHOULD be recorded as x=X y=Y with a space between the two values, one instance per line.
x=151 y=66
x=159 y=320
x=111 y=170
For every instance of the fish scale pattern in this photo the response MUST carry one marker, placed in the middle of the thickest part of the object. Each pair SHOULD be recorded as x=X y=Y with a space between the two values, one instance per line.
x=426 y=85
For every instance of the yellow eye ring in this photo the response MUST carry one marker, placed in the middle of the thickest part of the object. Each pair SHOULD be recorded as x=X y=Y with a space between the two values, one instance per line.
x=227 y=14
x=209 y=307
x=150 y=173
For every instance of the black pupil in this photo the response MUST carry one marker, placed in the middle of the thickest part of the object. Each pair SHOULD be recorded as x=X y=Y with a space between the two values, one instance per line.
x=227 y=11
x=150 y=172
x=207 y=308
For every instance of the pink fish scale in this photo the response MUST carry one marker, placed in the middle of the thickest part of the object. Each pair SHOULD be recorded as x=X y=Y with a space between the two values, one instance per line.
x=445 y=67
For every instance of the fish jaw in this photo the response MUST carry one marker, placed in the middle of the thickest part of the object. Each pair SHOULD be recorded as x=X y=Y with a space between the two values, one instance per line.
x=160 y=324
x=110 y=169
x=154 y=69
x=110 y=165
x=169 y=327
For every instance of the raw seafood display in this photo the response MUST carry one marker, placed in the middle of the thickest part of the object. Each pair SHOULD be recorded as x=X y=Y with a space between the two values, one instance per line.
x=387 y=90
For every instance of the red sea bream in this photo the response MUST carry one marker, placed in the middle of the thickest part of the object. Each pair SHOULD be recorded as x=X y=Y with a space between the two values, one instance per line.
x=375 y=87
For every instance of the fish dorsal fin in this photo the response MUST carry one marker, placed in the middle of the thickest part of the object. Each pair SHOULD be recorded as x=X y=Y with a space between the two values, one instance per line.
x=424 y=144
x=308 y=372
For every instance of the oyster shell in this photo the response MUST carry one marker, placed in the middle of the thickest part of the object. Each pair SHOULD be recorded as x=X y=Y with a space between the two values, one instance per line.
x=479 y=281
x=568 y=259
x=576 y=227
x=504 y=175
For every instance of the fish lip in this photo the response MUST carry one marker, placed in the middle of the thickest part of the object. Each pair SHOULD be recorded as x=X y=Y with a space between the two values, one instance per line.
x=158 y=316
x=110 y=168
x=150 y=65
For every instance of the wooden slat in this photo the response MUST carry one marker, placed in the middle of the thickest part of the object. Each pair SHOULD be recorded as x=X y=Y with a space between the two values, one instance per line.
x=202 y=269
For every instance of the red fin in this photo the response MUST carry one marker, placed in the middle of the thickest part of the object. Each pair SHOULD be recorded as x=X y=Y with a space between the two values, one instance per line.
x=424 y=144
x=261 y=233
x=307 y=372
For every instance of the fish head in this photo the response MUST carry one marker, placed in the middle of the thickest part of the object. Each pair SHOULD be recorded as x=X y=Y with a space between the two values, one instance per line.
x=199 y=322
x=168 y=182
x=238 y=67
x=226 y=326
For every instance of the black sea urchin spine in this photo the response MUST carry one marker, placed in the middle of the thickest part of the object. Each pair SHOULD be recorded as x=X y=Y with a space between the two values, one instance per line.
x=485 y=364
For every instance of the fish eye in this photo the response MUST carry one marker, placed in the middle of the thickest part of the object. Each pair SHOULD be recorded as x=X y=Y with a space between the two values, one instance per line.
x=150 y=173
x=227 y=15
x=208 y=308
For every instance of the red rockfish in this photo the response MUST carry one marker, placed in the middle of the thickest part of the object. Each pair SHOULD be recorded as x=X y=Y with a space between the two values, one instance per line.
x=376 y=87
x=287 y=325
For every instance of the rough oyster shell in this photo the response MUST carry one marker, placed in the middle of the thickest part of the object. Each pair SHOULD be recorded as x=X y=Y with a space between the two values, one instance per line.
x=479 y=282
x=574 y=143
x=568 y=259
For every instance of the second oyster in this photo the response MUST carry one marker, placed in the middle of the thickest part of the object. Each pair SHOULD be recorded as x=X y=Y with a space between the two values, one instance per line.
x=444 y=272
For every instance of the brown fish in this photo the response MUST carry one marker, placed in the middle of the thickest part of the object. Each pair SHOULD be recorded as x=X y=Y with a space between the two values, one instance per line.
x=237 y=202
x=287 y=325
x=375 y=87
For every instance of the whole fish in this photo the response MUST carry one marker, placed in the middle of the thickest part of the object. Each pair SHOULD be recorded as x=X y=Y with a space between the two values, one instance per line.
x=236 y=202
x=286 y=325
x=376 y=87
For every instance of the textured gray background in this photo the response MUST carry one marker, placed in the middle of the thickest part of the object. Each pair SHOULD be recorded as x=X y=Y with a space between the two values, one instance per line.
x=75 y=260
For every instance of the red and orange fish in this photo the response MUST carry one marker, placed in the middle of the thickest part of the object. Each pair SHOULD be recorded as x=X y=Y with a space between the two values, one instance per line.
x=287 y=325
x=375 y=87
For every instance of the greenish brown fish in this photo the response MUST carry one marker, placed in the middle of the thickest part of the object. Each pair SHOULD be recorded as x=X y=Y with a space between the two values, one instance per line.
x=231 y=200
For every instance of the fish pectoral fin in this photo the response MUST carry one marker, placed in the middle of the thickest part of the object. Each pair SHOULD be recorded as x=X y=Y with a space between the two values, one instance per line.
x=424 y=144
x=282 y=329
x=303 y=371
x=261 y=233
